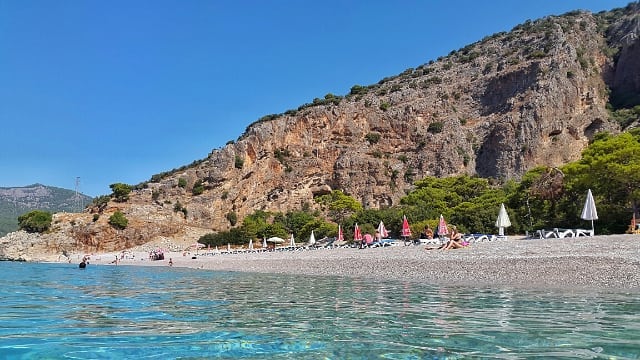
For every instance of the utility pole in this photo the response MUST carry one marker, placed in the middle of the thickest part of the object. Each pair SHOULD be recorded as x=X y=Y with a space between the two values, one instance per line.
x=78 y=198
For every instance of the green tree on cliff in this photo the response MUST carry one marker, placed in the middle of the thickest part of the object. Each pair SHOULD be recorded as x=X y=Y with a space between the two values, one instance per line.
x=120 y=191
x=35 y=221
x=118 y=220
x=339 y=205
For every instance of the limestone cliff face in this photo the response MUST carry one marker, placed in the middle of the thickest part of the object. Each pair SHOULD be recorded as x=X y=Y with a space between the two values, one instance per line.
x=496 y=108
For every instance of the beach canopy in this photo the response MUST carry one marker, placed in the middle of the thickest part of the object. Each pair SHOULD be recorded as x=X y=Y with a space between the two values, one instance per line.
x=589 y=211
x=503 y=220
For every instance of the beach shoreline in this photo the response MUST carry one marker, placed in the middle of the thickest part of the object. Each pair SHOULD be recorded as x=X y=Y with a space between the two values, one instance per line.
x=599 y=262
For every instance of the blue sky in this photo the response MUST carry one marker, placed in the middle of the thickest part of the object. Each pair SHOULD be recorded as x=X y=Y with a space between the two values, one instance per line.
x=117 y=91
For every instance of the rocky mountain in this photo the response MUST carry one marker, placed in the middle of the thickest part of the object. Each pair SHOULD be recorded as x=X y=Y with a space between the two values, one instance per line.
x=496 y=108
x=15 y=201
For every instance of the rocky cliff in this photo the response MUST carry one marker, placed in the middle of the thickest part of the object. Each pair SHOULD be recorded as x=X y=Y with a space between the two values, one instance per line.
x=496 y=108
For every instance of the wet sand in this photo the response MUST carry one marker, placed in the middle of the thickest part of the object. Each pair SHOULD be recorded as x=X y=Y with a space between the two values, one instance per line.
x=600 y=262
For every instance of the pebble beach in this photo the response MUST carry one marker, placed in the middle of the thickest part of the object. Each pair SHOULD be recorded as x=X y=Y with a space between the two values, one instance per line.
x=599 y=262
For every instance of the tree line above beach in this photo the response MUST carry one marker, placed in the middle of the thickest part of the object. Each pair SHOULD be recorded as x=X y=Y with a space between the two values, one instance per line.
x=545 y=197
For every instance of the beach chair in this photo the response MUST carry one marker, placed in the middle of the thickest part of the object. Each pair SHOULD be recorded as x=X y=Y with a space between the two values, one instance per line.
x=563 y=233
x=433 y=241
x=545 y=234
x=583 y=232
x=477 y=237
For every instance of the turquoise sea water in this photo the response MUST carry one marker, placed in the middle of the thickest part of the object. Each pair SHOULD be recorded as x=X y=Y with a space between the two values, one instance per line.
x=57 y=311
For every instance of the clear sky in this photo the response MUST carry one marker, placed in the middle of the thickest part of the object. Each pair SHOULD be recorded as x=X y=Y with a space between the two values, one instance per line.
x=117 y=91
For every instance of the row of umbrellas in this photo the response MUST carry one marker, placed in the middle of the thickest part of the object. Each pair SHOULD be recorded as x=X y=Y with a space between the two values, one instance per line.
x=589 y=213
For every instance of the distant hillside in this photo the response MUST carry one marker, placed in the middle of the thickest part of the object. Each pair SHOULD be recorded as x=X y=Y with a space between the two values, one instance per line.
x=15 y=201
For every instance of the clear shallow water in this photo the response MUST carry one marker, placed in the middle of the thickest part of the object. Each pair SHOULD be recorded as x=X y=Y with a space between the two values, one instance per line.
x=57 y=311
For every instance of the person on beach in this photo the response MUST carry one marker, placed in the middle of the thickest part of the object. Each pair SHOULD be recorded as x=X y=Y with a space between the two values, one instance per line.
x=455 y=241
x=427 y=233
x=170 y=262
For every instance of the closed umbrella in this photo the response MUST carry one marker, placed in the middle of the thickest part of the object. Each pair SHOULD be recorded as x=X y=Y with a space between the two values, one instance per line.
x=503 y=220
x=383 y=230
x=292 y=242
x=312 y=239
x=406 y=230
x=357 y=235
x=250 y=244
x=442 y=227
x=589 y=211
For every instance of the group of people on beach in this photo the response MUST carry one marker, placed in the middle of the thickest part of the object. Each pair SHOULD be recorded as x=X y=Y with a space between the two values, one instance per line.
x=455 y=239
x=368 y=239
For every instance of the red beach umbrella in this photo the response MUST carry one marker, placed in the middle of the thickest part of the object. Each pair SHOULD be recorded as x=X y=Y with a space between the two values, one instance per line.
x=357 y=235
x=406 y=230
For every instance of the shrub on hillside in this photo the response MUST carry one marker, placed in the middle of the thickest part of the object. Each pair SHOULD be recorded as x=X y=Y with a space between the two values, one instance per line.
x=35 y=221
x=118 y=220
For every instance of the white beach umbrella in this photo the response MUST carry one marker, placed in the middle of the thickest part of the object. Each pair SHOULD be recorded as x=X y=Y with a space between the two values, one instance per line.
x=312 y=238
x=275 y=240
x=292 y=241
x=589 y=211
x=250 y=244
x=383 y=230
x=503 y=220
x=264 y=242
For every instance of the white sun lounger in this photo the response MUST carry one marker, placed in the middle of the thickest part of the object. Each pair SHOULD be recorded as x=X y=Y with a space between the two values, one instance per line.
x=583 y=232
x=563 y=233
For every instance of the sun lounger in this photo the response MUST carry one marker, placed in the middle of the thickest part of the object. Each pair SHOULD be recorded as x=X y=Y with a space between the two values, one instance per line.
x=477 y=237
x=545 y=234
x=583 y=232
x=563 y=233
x=428 y=241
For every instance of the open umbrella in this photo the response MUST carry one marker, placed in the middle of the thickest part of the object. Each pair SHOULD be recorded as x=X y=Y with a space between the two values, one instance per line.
x=589 y=211
x=276 y=240
x=442 y=227
x=503 y=220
